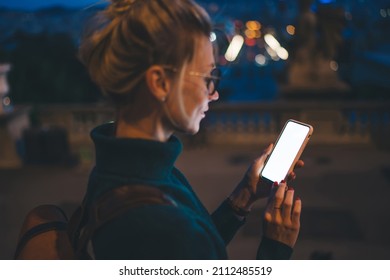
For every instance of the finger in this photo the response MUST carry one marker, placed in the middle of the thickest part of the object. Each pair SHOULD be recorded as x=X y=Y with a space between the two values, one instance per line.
x=258 y=163
x=300 y=163
x=269 y=208
x=287 y=204
x=271 y=196
x=272 y=208
x=291 y=176
x=279 y=195
x=296 y=214
x=271 y=199
x=266 y=152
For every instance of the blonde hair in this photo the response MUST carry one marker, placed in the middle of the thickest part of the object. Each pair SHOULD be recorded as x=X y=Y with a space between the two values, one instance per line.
x=132 y=35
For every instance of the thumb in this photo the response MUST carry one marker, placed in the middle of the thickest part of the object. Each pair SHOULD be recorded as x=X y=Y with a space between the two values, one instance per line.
x=267 y=151
x=259 y=162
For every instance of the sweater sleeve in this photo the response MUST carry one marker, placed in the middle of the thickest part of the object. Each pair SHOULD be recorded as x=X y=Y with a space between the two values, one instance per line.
x=226 y=222
x=270 y=249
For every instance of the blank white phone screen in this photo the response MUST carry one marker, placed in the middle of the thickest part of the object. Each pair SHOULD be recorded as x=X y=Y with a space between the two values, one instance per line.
x=285 y=151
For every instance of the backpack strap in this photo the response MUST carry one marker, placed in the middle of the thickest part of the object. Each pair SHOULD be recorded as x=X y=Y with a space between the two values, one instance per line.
x=109 y=206
x=39 y=229
x=43 y=235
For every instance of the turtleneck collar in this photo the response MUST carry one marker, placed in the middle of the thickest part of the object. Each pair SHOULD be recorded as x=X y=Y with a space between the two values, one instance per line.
x=131 y=157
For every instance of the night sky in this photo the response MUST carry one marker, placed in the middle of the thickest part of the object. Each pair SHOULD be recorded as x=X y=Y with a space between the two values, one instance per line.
x=36 y=4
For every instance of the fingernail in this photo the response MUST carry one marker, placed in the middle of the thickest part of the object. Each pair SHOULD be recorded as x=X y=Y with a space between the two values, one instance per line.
x=290 y=189
x=283 y=181
x=297 y=198
x=276 y=184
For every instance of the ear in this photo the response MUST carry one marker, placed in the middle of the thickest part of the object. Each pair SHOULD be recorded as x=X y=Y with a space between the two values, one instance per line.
x=157 y=82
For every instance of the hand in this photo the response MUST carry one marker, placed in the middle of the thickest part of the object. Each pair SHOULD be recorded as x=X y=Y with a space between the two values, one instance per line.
x=292 y=176
x=282 y=216
x=251 y=188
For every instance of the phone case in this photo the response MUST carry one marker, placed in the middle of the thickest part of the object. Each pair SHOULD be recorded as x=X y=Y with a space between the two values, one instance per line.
x=299 y=151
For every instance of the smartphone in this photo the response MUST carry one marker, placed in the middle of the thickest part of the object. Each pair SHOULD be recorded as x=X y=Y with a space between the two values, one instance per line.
x=287 y=150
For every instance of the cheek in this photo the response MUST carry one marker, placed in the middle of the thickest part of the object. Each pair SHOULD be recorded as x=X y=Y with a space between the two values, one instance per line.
x=195 y=101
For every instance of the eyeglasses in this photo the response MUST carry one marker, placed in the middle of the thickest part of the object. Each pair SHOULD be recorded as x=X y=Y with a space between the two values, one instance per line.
x=211 y=80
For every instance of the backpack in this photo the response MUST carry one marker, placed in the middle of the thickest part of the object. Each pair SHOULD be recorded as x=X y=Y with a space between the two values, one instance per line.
x=47 y=234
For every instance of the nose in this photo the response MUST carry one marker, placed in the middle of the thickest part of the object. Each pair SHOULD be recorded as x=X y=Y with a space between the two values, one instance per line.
x=214 y=96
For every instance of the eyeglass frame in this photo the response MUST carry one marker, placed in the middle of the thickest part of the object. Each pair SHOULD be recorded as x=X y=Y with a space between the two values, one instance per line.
x=214 y=79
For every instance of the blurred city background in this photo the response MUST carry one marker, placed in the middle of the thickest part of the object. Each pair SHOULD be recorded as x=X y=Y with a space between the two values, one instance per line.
x=325 y=62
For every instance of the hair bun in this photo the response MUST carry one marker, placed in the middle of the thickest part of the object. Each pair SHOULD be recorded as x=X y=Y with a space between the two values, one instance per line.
x=121 y=6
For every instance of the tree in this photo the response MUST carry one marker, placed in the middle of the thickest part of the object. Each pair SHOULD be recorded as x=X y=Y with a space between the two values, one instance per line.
x=45 y=69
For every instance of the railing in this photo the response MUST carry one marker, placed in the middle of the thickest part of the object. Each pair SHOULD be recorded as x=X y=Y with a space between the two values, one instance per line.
x=334 y=122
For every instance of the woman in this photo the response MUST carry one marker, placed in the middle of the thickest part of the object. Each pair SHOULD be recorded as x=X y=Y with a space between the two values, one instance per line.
x=155 y=60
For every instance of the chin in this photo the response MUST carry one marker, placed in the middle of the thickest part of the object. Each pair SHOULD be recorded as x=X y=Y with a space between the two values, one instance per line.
x=192 y=131
x=190 y=128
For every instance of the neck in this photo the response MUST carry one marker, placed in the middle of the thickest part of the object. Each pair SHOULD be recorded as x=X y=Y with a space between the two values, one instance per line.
x=142 y=119
x=142 y=129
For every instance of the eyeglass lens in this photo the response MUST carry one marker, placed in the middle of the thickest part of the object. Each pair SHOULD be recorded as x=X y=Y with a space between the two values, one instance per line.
x=213 y=81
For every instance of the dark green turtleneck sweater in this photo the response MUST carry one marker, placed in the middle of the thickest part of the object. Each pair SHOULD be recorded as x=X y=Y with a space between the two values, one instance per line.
x=185 y=231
